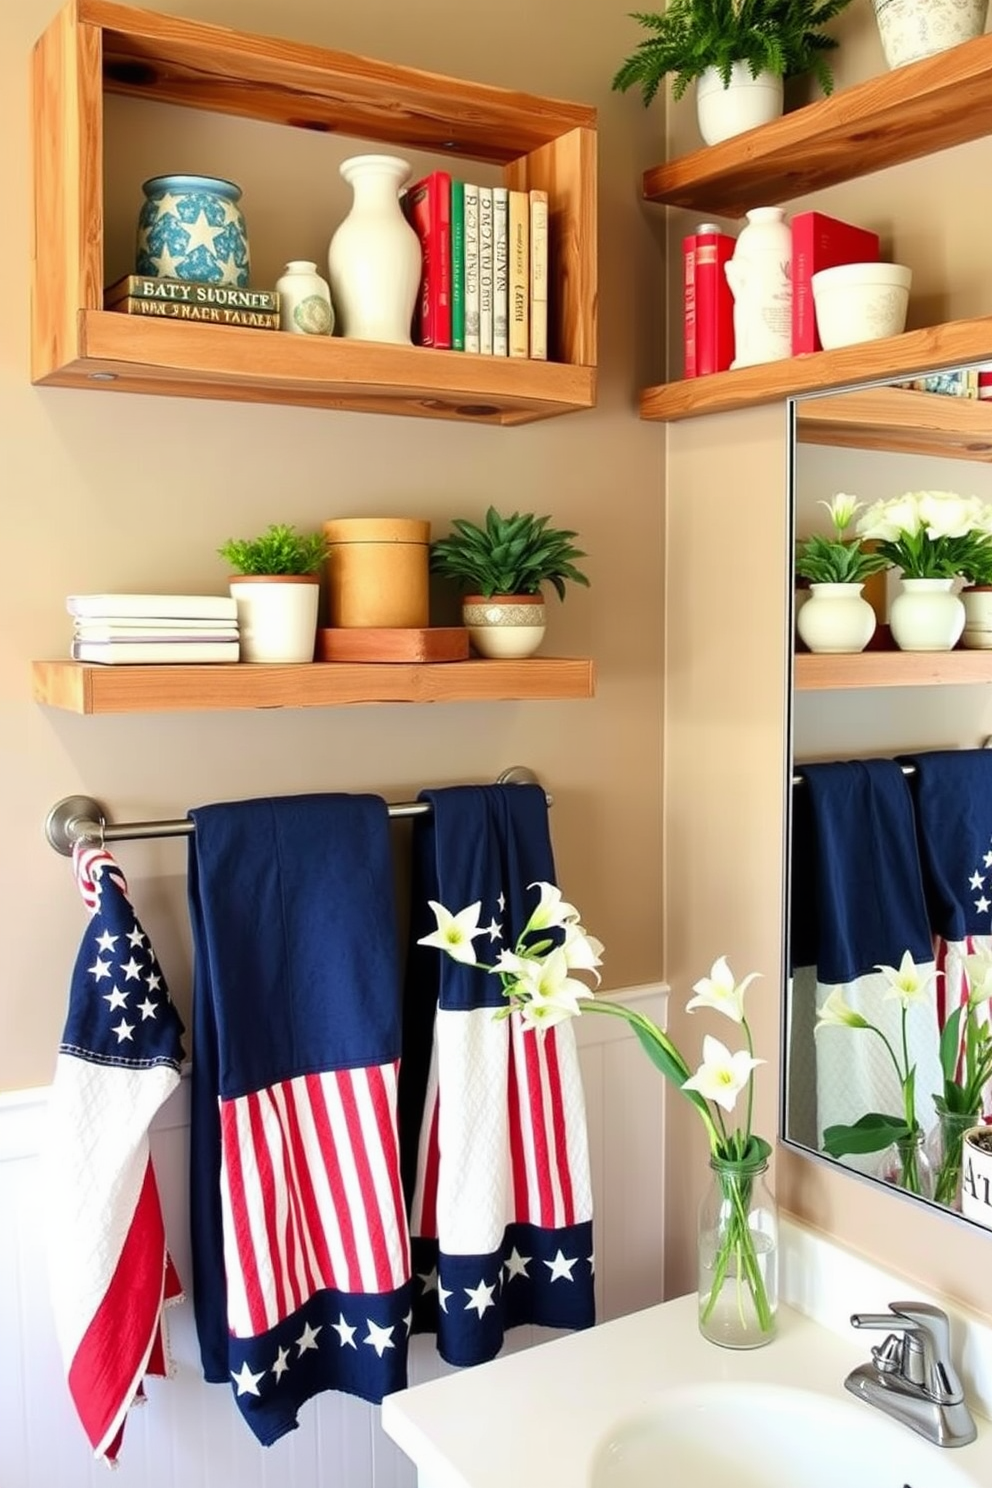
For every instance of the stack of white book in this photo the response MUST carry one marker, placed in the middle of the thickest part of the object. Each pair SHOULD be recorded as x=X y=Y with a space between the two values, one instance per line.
x=142 y=628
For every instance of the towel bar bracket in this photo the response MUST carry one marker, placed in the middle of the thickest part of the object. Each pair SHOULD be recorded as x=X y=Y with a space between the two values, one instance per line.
x=82 y=819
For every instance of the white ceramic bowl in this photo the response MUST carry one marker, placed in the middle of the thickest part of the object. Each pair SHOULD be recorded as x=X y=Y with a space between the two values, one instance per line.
x=860 y=302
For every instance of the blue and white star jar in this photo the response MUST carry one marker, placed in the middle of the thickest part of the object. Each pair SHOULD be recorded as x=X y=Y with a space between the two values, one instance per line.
x=191 y=227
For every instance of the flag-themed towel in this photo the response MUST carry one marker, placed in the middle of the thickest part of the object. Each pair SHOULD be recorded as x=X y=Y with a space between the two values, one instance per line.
x=118 y=1062
x=301 y=1260
x=496 y=1161
x=952 y=797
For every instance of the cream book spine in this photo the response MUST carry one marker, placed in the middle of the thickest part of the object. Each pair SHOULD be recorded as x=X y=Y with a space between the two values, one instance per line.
x=519 y=299
x=471 y=267
x=501 y=278
x=486 y=270
x=539 y=275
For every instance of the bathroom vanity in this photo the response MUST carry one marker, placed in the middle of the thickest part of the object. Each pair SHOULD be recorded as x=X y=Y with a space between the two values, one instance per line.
x=645 y=1400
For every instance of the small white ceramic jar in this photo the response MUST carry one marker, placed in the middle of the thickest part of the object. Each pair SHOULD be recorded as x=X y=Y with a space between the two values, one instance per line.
x=304 y=300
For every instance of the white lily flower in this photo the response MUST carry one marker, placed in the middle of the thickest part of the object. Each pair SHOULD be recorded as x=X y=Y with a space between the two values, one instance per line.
x=978 y=968
x=906 y=983
x=552 y=910
x=546 y=984
x=722 y=1076
x=583 y=952
x=841 y=509
x=835 y=1013
x=455 y=933
x=720 y=992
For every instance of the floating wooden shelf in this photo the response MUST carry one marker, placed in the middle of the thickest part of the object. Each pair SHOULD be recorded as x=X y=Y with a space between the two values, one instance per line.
x=82 y=688
x=892 y=669
x=902 y=115
x=900 y=420
x=954 y=344
x=95 y=47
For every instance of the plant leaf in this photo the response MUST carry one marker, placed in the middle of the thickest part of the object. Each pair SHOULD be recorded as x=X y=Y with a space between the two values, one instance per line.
x=872 y=1133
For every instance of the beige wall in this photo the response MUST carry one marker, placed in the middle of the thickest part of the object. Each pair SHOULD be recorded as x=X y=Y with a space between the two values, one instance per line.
x=726 y=690
x=116 y=492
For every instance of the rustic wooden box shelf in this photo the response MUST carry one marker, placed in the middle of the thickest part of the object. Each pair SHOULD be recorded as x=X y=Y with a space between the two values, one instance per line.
x=892 y=669
x=80 y=688
x=94 y=47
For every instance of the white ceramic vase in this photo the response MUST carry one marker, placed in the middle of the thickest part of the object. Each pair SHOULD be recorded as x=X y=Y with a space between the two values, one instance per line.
x=723 y=112
x=304 y=300
x=977 y=633
x=374 y=258
x=926 y=615
x=836 y=620
x=912 y=29
x=277 y=616
x=759 y=275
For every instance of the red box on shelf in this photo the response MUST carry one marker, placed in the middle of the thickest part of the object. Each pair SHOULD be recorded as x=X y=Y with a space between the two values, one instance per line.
x=821 y=242
x=708 y=305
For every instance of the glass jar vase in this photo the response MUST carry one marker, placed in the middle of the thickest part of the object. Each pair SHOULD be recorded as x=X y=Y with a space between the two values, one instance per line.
x=906 y=1164
x=943 y=1147
x=738 y=1255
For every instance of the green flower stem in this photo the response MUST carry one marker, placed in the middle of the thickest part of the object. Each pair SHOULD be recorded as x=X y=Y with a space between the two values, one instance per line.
x=666 y=1057
x=738 y=1245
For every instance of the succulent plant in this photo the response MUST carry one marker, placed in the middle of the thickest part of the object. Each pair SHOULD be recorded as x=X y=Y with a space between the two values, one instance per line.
x=508 y=555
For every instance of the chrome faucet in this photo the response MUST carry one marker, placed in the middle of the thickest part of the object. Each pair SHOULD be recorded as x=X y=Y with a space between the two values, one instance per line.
x=911 y=1377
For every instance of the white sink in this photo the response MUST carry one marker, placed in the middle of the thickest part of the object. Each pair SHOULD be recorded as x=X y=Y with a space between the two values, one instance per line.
x=767 y=1436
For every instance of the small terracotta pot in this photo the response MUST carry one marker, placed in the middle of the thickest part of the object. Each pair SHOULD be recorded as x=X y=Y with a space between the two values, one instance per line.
x=378 y=572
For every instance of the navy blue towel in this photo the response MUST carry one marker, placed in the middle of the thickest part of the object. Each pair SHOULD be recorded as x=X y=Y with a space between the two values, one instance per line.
x=857 y=894
x=299 y=1231
x=496 y=1163
x=952 y=793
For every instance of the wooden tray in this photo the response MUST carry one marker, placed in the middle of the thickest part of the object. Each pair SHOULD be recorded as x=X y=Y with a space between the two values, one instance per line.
x=437 y=643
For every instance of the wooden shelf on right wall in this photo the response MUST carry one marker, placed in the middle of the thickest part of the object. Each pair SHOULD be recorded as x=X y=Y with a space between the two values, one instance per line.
x=819 y=673
x=899 y=420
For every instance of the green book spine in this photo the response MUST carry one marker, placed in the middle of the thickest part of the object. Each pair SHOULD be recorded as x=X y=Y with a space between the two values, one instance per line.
x=458 y=265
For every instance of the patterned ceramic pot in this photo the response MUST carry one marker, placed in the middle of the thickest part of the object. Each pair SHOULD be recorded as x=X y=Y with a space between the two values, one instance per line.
x=191 y=227
x=506 y=626
x=911 y=29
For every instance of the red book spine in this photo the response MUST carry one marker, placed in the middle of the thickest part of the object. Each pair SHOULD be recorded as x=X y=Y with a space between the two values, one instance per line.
x=689 y=305
x=821 y=242
x=428 y=209
x=708 y=302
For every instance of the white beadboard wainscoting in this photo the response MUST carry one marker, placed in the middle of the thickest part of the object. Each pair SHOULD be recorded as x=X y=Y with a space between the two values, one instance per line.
x=189 y=1434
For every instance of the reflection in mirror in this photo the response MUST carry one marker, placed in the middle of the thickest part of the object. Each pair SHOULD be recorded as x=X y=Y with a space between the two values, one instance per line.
x=890 y=917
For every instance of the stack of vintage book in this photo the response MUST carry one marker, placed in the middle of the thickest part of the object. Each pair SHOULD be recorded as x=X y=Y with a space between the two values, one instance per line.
x=142 y=628
x=184 y=299
x=484 y=285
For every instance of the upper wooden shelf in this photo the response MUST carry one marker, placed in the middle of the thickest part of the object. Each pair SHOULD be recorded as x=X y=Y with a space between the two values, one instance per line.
x=900 y=420
x=954 y=344
x=902 y=115
x=814 y=673
x=82 y=688
x=93 y=48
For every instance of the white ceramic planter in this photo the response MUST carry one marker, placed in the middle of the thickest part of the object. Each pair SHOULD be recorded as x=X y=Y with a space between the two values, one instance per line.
x=505 y=627
x=748 y=102
x=277 y=616
x=976 y=1179
x=860 y=302
x=977 y=633
x=835 y=620
x=926 y=616
x=911 y=29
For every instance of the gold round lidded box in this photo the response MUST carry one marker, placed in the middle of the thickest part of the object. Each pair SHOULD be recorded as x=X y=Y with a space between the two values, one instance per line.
x=378 y=585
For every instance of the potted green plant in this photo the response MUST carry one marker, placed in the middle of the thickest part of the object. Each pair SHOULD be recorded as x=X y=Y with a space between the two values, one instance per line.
x=501 y=565
x=738 y=52
x=835 y=618
x=277 y=589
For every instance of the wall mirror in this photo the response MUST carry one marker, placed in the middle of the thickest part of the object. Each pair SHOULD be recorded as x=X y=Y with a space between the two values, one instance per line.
x=861 y=908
